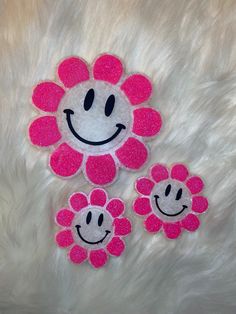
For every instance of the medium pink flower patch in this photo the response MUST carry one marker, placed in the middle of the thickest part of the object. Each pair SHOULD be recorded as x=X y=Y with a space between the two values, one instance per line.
x=92 y=227
x=98 y=119
x=170 y=199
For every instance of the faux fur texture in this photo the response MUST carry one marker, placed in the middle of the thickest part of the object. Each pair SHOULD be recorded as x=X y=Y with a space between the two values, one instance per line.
x=188 y=48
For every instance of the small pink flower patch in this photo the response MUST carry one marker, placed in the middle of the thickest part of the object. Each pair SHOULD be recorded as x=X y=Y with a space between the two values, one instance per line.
x=94 y=123
x=92 y=227
x=170 y=199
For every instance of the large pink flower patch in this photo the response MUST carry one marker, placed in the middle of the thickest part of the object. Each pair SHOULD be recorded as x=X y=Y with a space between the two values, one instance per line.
x=170 y=200
x=95 y=121
x=92 y=228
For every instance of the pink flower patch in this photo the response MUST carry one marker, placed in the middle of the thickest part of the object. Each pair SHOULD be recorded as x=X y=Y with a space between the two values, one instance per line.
x=170 y=200
x=92 y=227
x=96 y=124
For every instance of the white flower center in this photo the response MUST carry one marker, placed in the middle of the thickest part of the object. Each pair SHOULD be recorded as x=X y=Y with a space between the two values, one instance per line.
x=95 y=117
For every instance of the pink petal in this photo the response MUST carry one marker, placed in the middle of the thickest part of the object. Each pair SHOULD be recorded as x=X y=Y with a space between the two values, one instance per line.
x=98 y=258
x=64 y=238
x=47 y=96
x=65 y=161
x=77 y=254
x=72 y=71
x=78 y=201
x=199 y=204
x=133 y=154
x=44 y=131
x=116 y=246
x=147 y=122
x=159 y=172
x=142 y=206
x=101 y=170
x=190 y=222
x=122 y=226
x=115 y=207
x=98 y=197
x=108 y=68
x=137 y=88
x=144 y=186
x=195 y=185
x=64 y=217
x=172 y=230
x=179 y=172
x=152 y=223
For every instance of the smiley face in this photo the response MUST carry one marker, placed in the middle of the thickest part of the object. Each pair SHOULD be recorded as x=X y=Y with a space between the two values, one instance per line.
x=93 y=228
x=171 y=200
x=95 y=117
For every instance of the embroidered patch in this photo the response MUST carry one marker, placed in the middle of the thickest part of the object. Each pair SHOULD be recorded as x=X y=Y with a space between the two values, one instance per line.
x=92 y=227
x=96 y=120
x=170 y=200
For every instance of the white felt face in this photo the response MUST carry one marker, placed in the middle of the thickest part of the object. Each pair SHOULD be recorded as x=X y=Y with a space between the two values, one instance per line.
x=171 y=200
x=95 y=117
x=93 y=228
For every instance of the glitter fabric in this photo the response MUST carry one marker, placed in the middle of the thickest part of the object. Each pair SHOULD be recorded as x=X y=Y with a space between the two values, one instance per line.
x=96 y=122
x=170 y=200
x=92 y=227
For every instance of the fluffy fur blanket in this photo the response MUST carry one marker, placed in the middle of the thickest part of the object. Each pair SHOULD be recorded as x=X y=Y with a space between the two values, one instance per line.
x=188 y=48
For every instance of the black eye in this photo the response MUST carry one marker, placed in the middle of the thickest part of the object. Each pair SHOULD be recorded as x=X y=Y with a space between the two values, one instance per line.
x=100 y=220
x=88 y=218
x=179 y=194
x=167 y=191
x=88 y=100
x=109 y=105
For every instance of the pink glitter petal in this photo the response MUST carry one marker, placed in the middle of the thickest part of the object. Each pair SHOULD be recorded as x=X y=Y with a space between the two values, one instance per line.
x=122 y=226
x=78 y=201
x=152 y=223
x=115 y=207
x=47 y=96
x=77 y=254
x=144 y=186
x=108 y=68
x=64 y=238
x=72 y=71
x=98 y=197
x=133 y=154
x=199 y=204
x=137 y=88
x=101 y=170
x=116 y=247
x=172 y=230
x=64 y=217
x=142 y=206
x=98 y=258
x=65 y=161
x=190 y=222
x=147 y=122
x=195 y=185
x=179 y=172
x=44 y=131
x=159 y=173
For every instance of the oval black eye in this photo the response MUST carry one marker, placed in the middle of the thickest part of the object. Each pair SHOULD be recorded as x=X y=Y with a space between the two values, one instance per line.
x=179 y=194
x=167 y=191
x=88 y=218
x=100 y=220
x=88 y=100
x=109 y=106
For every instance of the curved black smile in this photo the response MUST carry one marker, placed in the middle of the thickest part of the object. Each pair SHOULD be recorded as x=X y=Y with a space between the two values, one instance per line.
x=164 y=213
x=89 y=242
x=70 y=112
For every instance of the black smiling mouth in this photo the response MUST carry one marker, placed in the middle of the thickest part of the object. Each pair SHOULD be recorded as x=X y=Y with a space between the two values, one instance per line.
x=89 y=242
x=70 y=112
x=166 y=214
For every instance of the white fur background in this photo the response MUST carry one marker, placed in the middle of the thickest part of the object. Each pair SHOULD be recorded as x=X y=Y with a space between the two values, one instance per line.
x=188 y=48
